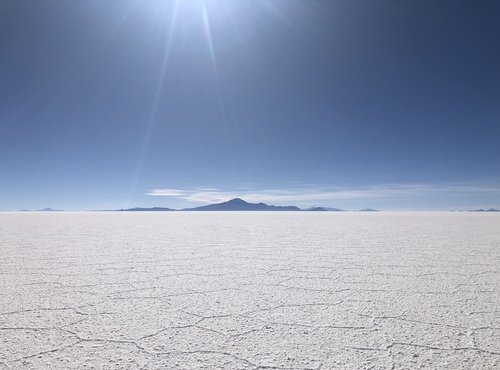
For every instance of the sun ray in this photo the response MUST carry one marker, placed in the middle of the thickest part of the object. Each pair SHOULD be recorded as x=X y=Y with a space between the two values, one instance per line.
x=208 y=35
x=156 y=99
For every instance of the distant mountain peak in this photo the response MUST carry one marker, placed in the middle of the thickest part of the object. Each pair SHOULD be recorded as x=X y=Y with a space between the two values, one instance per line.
x=238 y=204
x=238 y=201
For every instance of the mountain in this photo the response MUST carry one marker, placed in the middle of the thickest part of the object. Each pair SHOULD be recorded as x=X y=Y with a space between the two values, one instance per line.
x=486 y=210
x=368 y=210
x=48 y=210
x=139 y=209
x=324 y=209
x=238 y=204
x=317 y=209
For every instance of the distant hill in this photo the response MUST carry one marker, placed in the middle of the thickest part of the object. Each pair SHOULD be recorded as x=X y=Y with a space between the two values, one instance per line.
x=316 y=209
x=324 y=209
x=238 y=204
x=368 y=210
x=140 y=209
x=486 y=210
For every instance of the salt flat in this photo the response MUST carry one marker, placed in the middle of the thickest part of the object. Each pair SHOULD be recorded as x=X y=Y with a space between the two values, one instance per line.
x=250 y=290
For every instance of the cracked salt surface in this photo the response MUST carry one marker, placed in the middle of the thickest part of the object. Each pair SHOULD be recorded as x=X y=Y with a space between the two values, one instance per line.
x=249 y=290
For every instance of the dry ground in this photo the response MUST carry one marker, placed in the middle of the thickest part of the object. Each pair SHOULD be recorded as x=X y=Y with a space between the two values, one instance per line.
x=250 y=290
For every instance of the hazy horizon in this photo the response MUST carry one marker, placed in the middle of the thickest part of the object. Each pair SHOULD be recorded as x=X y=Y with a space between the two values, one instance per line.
x=228 y=201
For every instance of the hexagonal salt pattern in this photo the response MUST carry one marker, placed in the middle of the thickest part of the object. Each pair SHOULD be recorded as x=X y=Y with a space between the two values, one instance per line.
x=249 y=290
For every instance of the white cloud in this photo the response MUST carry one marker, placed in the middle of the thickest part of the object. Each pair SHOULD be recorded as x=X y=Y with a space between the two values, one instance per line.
x=313 y=195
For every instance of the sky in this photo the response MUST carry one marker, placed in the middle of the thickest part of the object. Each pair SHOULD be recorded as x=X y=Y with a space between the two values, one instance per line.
x=392 y=105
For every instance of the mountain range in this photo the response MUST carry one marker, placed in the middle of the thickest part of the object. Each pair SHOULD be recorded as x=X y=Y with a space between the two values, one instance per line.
x=486 y=210
x=238 y=204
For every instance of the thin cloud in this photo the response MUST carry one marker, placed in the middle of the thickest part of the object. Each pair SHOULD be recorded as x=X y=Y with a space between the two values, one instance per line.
x=314 y=194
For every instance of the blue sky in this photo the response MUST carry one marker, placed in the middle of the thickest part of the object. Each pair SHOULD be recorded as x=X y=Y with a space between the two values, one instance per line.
x=384 y=104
